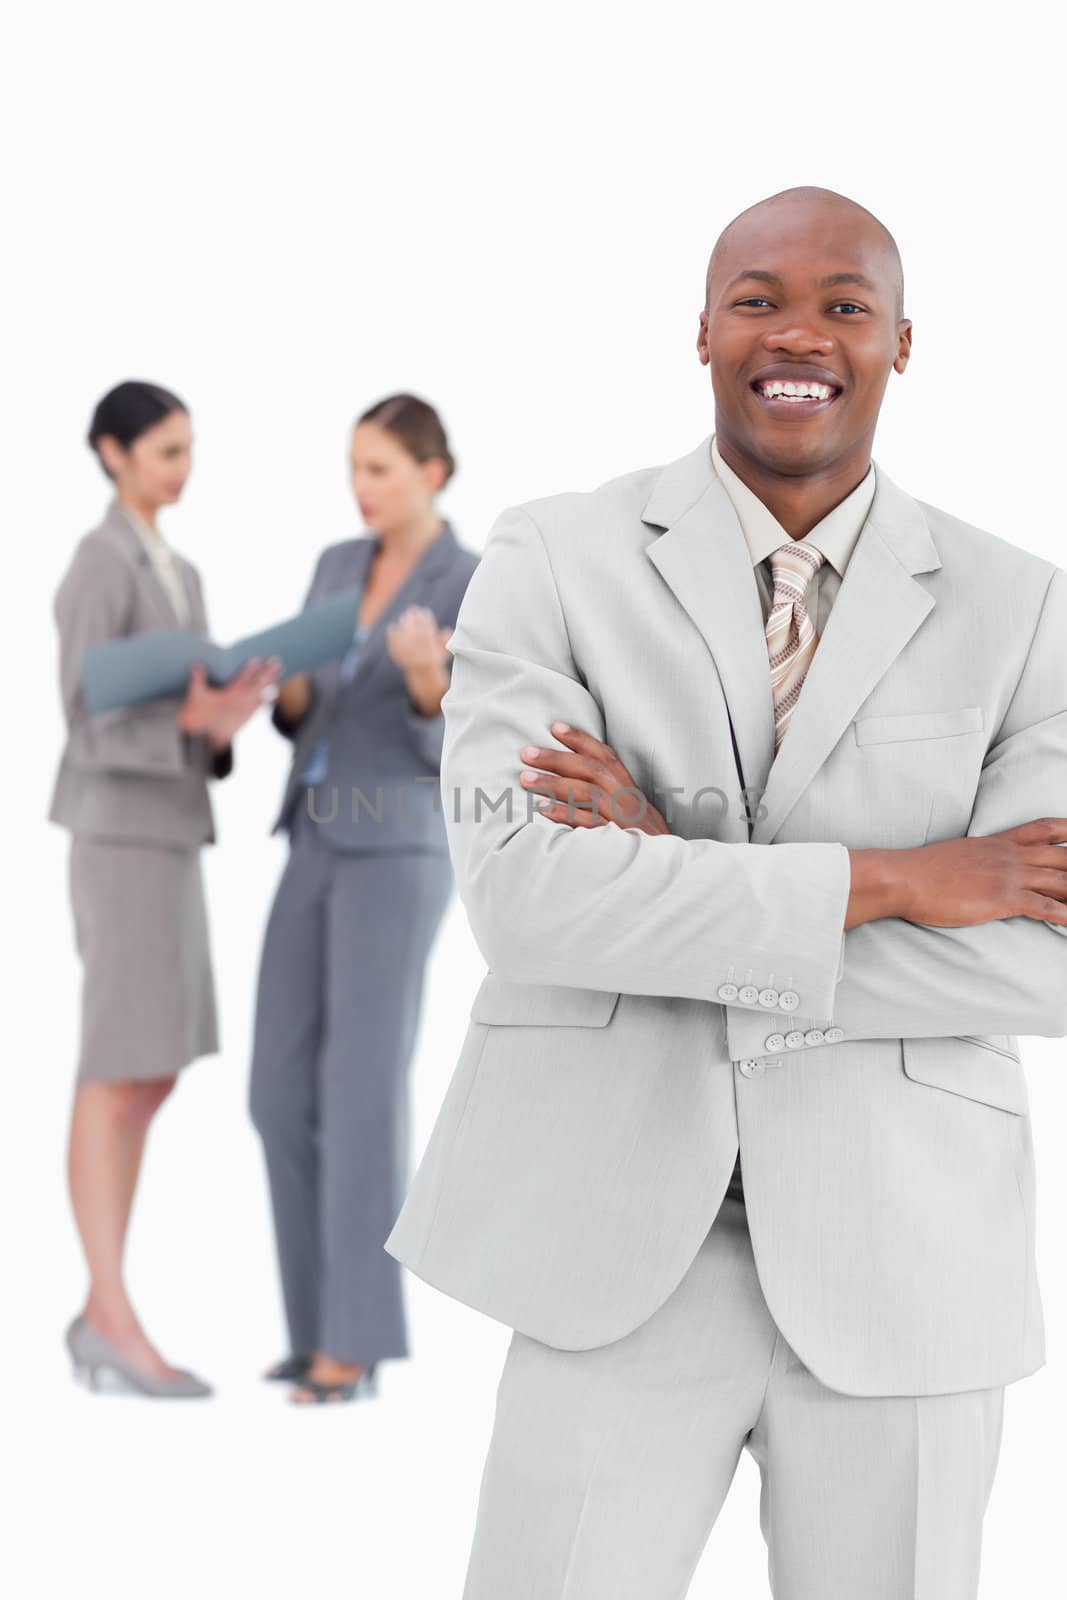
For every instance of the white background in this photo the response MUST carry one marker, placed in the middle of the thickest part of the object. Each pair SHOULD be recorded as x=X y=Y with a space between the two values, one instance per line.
x=284 y=213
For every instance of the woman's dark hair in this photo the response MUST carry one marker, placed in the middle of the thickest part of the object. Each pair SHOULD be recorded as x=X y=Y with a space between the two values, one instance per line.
x=417 y=426
x=127 y=411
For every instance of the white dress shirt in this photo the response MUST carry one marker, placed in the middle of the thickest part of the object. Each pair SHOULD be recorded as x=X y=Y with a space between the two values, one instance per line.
x=835 y=536
x=163 y=560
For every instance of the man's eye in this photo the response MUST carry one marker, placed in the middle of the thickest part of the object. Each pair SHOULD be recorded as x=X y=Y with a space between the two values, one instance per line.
x=850 y=303
x=753 y=300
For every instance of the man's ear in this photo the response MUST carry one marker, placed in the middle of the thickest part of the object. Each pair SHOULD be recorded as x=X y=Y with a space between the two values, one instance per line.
x=702 y=338
x=903 y=344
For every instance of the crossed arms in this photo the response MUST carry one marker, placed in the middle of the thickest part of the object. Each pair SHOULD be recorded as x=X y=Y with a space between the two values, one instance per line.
x=614 y=908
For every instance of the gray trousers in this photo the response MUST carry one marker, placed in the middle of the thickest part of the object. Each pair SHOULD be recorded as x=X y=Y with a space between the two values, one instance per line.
x=607 y=1467
x=338 y=1005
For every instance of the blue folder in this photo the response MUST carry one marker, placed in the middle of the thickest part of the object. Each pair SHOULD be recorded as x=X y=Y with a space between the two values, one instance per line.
x=154 y=666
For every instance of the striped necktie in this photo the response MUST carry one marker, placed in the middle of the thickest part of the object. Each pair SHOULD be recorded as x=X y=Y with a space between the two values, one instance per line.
x=791 y=635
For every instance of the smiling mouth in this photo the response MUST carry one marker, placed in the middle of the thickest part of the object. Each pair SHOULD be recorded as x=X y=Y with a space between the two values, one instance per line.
x=783 y=395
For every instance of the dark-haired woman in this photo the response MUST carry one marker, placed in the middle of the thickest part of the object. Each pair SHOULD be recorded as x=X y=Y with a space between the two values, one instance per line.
x=356 y=911
x=132 y=788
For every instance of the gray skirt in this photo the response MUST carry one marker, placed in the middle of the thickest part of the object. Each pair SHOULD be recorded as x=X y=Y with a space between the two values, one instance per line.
x=140 y=927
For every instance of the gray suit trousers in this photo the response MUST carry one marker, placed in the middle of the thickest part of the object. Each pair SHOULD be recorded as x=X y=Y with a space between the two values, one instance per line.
x=337 y=1013
x=607 y=1467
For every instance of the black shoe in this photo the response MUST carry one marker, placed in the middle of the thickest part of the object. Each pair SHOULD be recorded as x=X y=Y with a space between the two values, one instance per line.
x=292 y=1370
x=361 y=1388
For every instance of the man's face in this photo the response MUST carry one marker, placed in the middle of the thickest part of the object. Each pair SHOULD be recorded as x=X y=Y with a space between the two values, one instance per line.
x=775 y=316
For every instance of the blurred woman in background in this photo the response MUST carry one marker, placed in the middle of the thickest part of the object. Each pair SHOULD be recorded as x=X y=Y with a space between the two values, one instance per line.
x=132 y=788
x=357 y=908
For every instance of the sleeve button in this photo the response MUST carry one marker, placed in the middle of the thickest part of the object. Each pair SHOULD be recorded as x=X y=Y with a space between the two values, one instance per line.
x=834 y=1035
x=814 y=1036
x=788 y=999
x=749 y=994
x=768 y=997
x=774 y=1041
x=727 y=991
x=795 y=1039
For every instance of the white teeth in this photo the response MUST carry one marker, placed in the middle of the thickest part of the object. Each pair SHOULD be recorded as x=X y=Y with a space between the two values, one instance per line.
x=784 y=389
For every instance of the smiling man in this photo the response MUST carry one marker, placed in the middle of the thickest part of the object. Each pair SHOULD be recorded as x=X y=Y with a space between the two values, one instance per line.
x=754 y=772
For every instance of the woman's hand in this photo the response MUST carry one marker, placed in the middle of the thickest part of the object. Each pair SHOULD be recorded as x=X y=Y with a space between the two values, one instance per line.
x=590 y=786
x=417 y=645
x=293 y=698
x=218 y=713
x=415 y=641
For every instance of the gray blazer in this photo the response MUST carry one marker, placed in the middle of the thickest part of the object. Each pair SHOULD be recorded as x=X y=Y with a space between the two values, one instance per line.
x=382 y=792
x=654 y=1000
x=129 y=773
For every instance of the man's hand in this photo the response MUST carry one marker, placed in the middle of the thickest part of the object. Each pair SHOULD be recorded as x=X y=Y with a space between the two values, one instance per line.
x=218 y=713
x=588 y=788
x=958 y=883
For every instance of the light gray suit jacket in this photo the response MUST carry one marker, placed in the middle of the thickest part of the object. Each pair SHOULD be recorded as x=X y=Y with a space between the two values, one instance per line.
x=129 y=773
x=627 y=1035
x=382 y=792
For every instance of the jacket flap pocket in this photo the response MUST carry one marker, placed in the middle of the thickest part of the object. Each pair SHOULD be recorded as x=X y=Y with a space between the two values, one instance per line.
x=499 y=1000
x=975 y=1067
x=918 y=725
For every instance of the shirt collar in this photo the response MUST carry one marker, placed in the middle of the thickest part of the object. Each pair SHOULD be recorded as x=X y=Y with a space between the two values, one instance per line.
x=835 y=535
x=152 y=539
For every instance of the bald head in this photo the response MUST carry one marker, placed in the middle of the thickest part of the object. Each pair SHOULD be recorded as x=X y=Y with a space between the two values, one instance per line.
x=813 y=212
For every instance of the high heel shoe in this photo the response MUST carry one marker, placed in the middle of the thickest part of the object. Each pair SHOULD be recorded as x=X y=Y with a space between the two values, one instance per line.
x=364 y=1387
x=289 y=1370
x=94 y=1356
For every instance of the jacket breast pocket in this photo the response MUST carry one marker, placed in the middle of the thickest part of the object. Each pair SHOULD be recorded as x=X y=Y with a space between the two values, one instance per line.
x=984 y=1067
x=910 y=725
x=502 y=1002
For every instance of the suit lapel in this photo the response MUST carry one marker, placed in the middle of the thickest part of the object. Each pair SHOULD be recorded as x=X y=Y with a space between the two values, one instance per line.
x=122 y=533
x=704 y=558
x=433 y=561
x=876 y=611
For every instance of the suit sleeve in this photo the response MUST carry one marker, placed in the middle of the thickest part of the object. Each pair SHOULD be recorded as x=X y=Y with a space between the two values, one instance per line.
x=216 y=763
x=428 y=733
x=91 y=607
x=910 y=980
x=610 y=907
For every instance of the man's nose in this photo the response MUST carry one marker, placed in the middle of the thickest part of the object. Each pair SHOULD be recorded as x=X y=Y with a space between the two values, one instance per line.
x=798 y=339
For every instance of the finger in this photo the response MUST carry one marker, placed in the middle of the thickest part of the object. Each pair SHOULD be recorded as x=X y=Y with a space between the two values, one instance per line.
x=565 y=772
x=589 y=745
x=563 y=763
x=1043 y=830
x=1043 y=909
x=565 y=790
x=1045 y=881
x=576 y=819
x=1053 y=856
